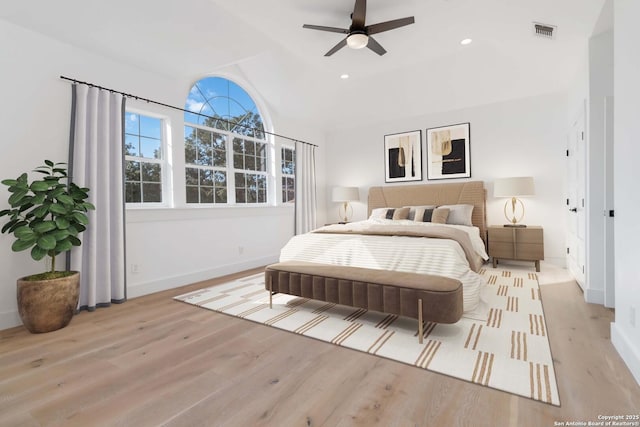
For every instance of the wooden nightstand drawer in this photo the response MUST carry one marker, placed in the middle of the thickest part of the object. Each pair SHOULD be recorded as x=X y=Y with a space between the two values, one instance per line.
x=529 y=235
x=501 y=249
x=516 y=243
x=529 y=251
x=501 y=234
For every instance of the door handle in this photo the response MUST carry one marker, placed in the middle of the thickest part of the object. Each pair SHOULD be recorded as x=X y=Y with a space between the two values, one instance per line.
x=573 y=210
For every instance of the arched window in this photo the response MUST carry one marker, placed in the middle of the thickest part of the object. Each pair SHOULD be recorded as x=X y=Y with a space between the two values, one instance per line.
x=225 y=146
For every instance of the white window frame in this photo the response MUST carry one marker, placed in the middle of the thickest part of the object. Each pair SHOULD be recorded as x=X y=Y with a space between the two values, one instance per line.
x=230 y=168
x=284 y=175
x=164 y=162
x=214 y=169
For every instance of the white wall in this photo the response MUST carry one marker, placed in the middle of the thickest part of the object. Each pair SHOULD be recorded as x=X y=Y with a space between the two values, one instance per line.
x=525 y=137
x=625 y=331
x=170 y=247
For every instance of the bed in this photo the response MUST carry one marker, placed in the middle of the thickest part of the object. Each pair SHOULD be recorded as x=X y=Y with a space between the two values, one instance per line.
x=394 y=240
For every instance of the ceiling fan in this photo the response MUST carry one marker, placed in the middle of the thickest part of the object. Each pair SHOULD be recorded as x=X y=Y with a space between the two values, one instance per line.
x=359 y=34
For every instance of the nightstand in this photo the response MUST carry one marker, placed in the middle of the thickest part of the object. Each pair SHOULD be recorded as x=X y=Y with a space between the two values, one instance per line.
x=516 y=243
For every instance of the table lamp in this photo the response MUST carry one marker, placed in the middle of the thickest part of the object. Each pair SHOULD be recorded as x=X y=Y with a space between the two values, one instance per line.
x=345 y=195
x=513 y=188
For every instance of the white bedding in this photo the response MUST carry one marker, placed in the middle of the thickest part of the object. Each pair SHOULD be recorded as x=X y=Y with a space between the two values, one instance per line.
x=441 y=257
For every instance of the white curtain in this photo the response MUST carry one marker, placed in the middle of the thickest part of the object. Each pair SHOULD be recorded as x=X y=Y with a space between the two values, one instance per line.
x=305 y=198
x=96 y=162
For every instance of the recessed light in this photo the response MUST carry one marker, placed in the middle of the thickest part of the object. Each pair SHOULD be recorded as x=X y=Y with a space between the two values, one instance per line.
x=344 y=76
x=466 y=41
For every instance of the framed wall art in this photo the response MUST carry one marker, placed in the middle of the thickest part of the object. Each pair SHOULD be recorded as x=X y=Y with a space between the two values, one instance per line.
x=403 y=157
x=448 y=153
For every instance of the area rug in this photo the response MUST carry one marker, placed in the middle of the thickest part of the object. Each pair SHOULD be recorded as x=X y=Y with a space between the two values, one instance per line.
x=503 y=344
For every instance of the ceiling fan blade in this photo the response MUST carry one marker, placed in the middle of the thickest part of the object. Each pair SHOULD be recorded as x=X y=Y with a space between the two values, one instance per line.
x=375 y=46
x=337 y=47
x=389 y=25
x=359 y=12
x=323 y=28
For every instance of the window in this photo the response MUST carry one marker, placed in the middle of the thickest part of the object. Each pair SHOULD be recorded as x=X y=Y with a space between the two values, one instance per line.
x=288 y=156
x=206 y=170
x=144 y=158
x=226 y=153
x=250 y=164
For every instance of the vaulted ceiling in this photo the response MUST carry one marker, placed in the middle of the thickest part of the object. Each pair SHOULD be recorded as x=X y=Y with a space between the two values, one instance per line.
x=425 y=70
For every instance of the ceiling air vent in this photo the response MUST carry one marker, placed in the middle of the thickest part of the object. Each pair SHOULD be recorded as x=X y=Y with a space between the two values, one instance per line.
x=543 y=30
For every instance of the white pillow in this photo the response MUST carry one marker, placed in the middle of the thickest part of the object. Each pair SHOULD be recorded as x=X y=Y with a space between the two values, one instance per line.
x=459 y=214
x=378 y=213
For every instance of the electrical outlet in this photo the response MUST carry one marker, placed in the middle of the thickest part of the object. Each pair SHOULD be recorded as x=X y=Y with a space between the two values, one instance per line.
x=135 y=268
x=632 y=316
x=240 y=250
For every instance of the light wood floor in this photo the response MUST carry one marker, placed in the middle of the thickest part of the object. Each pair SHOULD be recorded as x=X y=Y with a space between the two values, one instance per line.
x=154 y=361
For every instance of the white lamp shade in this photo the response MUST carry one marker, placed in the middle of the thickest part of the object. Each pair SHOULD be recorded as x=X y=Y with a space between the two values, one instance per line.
x=357 y=41
x=345 y=194
x=513 y=187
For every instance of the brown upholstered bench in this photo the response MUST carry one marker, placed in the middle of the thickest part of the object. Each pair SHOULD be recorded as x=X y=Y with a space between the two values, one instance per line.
x=419 y=296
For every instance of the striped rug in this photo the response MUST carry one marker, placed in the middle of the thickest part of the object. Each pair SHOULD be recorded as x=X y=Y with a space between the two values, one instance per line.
x=503 y=344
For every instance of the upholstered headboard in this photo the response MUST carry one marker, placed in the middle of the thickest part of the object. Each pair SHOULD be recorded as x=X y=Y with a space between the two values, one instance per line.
x=471 y=192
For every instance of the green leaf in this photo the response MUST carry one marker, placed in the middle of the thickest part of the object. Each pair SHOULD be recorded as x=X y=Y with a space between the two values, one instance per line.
x=62 y=223
x=65 y=199
x=16 y=197
x=39 y=198
x=23 y=232
x=37 y=253
x=40 y=186
x=16 y=225
x=47 y=242
x=78 y=194
x=81 y=218
x=8 y=225
x=21 y=245
x=63 y=246
x=59 y=234
x=26 y=207
x=74 y=241
x=44 y=227
x=57 y=208
x=72 y=230
x=10 y=182
x=24 y=201
x=61 y=171
x=89 y=206
x=41 y=211
x=59 y=189
x=49 y=163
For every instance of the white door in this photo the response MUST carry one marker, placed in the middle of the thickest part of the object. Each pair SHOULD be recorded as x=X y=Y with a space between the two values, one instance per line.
x=576 y=182
x=609 y=261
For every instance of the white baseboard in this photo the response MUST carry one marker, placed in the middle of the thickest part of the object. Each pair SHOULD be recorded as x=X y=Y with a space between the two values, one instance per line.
x=557 y=261
x=594 y=296
x=139 y=289
x=9 y=319
x=629 y=352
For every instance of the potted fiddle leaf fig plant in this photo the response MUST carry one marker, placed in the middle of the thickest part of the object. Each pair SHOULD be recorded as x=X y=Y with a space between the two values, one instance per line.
x=46 y=215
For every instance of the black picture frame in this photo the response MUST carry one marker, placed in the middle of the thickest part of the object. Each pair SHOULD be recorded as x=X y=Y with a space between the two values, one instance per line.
x=448 y=152
x=403 y=156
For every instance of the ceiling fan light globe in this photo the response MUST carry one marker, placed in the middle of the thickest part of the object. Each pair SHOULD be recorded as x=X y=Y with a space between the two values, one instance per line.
x=357 y=41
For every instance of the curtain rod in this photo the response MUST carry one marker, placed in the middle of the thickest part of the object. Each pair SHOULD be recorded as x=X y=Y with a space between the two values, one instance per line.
x=128 y=95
